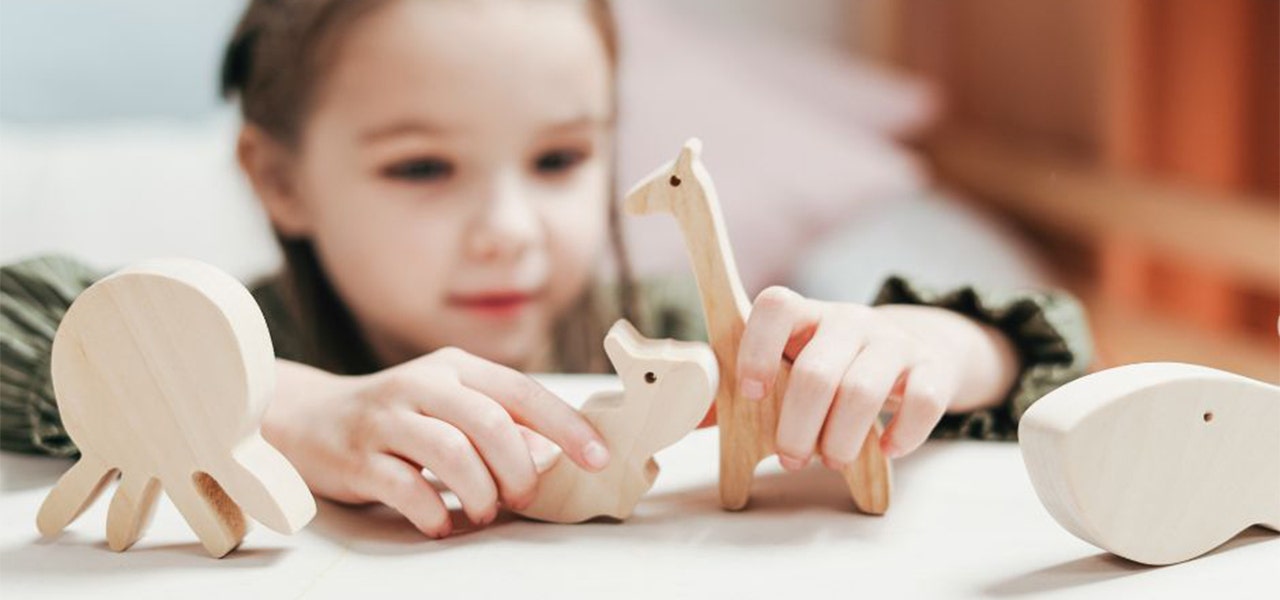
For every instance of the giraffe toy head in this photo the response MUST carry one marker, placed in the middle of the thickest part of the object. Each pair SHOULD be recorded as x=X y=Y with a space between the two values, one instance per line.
x=673 y=183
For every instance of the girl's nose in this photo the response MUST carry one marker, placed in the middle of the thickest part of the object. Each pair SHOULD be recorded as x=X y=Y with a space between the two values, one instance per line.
x=507 y=223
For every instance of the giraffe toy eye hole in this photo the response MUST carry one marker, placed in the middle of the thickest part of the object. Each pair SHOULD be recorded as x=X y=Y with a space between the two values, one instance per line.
x=650 y=377
x=675 y=181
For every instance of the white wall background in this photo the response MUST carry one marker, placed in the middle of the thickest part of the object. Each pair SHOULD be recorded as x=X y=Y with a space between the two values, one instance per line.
x=819 y=21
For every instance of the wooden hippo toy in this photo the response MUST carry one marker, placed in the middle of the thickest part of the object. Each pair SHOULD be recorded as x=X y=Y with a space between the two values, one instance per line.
x=667 y=389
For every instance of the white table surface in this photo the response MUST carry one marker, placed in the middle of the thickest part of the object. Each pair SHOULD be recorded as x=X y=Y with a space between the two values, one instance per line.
x=964 y=522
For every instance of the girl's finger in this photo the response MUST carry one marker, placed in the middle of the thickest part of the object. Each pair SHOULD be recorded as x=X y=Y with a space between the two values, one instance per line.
x=534 y=406
x=401 y=486
x=859 y=401
x=924 y=400
x=494 y=434
x=777 y=316
x=811 y=388
x=448 y=453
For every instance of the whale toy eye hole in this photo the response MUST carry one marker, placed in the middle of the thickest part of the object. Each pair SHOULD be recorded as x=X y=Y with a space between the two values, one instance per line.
x=650 y=377
x=1208 y=416
x=674 y=181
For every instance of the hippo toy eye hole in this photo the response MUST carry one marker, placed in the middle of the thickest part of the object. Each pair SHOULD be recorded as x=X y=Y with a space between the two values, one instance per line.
x=1208 y=416
x=674 y=181
x=650 y=377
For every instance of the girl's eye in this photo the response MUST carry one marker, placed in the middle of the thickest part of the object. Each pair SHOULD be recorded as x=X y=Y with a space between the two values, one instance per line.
x=422 y=169
x=558 y=161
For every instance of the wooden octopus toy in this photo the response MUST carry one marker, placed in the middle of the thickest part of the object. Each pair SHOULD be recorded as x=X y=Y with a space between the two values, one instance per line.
x=1156 y=462
x=747 y=428
x=162 y=372
x=667 y=389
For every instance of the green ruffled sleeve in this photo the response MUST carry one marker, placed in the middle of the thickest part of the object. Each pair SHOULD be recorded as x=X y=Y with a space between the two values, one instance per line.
x=34 y=295
x=1048 y=329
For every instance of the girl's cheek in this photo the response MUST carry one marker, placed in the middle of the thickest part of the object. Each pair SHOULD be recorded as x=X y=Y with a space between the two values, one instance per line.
x=577 y=229
x=385 y=237
x=579 y=221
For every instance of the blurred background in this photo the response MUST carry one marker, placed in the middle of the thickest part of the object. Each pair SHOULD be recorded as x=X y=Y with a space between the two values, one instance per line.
x=1135 y=140
x=1126 y=150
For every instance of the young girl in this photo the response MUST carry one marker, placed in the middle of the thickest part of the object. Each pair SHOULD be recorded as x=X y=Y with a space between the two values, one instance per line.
x=439 y=175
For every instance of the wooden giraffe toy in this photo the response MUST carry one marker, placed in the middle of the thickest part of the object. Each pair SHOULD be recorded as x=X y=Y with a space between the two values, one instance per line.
x=1156 y=462
x=747 y=428
x=667 y=389
x=162 y=373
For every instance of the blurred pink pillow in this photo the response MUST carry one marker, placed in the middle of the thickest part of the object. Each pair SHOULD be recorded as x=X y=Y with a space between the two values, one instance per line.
x=797 y=140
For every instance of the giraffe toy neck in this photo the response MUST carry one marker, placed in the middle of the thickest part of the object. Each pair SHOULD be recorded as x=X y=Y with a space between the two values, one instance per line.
x=724 y=301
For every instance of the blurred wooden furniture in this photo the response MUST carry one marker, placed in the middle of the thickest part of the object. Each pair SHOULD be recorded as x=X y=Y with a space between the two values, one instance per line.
x=1137 y=141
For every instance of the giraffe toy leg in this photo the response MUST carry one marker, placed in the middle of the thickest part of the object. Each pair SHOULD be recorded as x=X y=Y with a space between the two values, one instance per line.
x=869 y=477
x=737 y=470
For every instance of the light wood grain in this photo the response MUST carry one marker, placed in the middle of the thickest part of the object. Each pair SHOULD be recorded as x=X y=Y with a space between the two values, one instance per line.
x=667 y=388
x=162 y=373
x=684 y=189
x=1157 y=462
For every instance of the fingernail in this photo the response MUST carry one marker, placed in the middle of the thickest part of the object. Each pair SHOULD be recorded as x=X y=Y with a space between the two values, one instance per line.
x=791 y=464
x=752 y=389
x=542 y=462
x=596 y=455
x=544 y=453
x=889 y=450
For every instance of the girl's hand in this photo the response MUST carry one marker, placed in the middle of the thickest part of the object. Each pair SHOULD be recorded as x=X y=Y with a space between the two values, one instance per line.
x=478 y=426
x=849 y=362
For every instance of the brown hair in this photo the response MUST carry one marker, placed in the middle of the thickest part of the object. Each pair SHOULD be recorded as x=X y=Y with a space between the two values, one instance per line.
x=273 y=65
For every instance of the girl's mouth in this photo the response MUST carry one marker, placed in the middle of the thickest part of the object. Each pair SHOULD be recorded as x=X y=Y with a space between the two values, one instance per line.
x=496 y=305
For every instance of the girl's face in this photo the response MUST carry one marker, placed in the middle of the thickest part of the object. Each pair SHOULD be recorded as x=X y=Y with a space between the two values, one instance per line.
x=454 y=173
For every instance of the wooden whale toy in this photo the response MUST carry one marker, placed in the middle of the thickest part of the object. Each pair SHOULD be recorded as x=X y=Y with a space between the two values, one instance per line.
x=684 y=189
x=667 y=389
x=1157 y=462
x=162 y=372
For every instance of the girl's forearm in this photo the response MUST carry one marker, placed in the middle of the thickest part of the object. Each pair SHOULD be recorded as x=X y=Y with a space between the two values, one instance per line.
x=988 y=364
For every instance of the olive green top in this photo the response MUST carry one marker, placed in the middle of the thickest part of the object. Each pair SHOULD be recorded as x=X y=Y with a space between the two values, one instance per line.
x=1048 y=330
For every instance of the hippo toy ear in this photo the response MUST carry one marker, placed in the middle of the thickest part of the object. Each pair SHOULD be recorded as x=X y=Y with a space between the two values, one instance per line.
x=624 y=345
